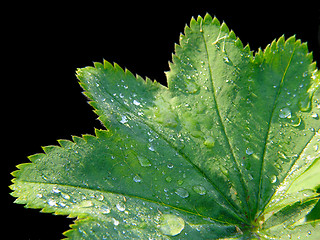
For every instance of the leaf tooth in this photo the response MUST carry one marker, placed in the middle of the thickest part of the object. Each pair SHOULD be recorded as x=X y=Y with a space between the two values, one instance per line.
x=107 y=65
x=100 y=133
x=98 y=65
x=93 y=104
x=36 y=156
x=65 y=143
x=89 y=138
x=304 y=48
x=21 y=167
x=232 y=35
x=207 y=18
x=290 y=40
x=216 y=22
x=50 y=148
x=78 y=140
x=193 y=23
x=117 y=68
x=224 y=27
x=281 y=41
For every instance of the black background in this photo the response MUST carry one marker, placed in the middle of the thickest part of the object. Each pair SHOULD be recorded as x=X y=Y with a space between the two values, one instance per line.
x=43 y=45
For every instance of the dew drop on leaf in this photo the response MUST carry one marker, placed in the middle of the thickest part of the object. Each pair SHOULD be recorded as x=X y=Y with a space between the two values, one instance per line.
x=170 y=165
x=209 y=142
x=273 y=179
x=135 y=102
x=305 y=104
x=121 y=206
x=199 y=189
x=191 y=87
x=249 y=151
x=55 y=190
x=123 y=119
x=181 y=192
x=144 y=162
x=171 y=225
x=52 y=202
x=315 y=115
x=168 y=179
x=137 y=179
x=226 y=59
x=285 y=113
x=115 y=222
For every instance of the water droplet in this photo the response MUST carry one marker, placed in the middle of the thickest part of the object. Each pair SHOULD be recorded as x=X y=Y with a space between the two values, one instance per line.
x=315 y=115
x=171 y=225
x=285 y=113
x=199 y=189
x=305 y=103
x=296 y=121
x=168 y=179
x=180 y=182
x=52 y=202
x=137 y=179
x=209 y=141
x=144 y=162
x=124 y=119
x=105 y=210
x=135 y=102
x=226 y=59
x=273 y=179
x=39 y=195
x=191 y=87
x=170 y=165
x=249 y=151
x=55 y=190
x=115 y=222
x=65 y=196
x=151 y=148
x=121 y=206
x=181 y=192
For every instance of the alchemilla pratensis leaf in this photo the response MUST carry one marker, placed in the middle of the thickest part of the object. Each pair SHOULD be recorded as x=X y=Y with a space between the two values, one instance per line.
x=230 y=150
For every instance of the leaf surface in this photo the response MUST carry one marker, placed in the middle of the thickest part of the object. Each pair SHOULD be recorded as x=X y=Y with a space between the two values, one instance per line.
x=229 y=150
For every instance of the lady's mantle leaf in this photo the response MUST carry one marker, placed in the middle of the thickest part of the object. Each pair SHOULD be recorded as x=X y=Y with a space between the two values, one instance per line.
x=223 y=152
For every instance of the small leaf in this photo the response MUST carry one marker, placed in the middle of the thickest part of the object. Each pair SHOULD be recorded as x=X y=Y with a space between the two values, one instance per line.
x=230 y=150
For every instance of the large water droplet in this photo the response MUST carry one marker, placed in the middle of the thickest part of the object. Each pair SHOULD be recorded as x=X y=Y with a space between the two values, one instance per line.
x=249 y=151
x=123 y=119
x=181 y=192
x=55 y=190
x=137 y=179
x=191 y=87
x=135 y=102
x=285 y=113
x=315 y=115
x=296 y=121
x=65 y=196
x=168 y=179
x=171 y=225
x=305 y=103
x=121 y=206
x=144 y=162
x=273 y=179
x=115 y=222
x=209 y=141
x=199 y=189
x=52 y=202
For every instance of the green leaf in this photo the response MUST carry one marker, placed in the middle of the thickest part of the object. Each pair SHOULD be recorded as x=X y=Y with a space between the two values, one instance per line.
x=229 y=150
